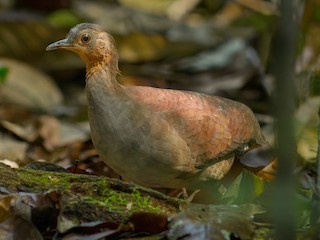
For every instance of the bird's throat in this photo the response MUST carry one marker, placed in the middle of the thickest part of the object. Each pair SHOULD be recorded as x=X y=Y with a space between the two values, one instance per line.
x=103 y=76
x=108 y=103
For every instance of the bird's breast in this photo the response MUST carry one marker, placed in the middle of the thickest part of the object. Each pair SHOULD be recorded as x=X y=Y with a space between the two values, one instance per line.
x=135 y=142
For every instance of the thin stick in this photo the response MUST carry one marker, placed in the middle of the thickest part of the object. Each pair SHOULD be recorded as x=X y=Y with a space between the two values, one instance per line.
x=284 y=53
x=318 y=154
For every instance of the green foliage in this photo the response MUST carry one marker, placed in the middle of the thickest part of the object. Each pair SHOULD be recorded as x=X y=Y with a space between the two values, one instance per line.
x=248 y=189
x=63 y=18
x=316 y=14
x=304 y=206
x=3 y=73
x=245 y=189
x=260 y=22
x=315 y=85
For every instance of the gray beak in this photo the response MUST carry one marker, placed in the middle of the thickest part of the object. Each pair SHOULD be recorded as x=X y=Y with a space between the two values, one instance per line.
x=59 y=44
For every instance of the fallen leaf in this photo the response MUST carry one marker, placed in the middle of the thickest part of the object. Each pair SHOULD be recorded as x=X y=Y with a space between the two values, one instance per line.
x=28 y=87
x=149 y=222
x=18 y=228
x=219 y=222
x=49 y=131
x=12 y=149
x=5 y=207
x=10 y=163
x=269 y=171
x=26 y=133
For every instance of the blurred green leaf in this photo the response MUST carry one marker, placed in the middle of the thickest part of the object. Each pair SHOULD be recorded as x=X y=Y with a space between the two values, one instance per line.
x=260 y=22
x=63 y=18
x=315 y=85
x=245 y=188
x=316 y=13
x=3 y=73
x=306 y=208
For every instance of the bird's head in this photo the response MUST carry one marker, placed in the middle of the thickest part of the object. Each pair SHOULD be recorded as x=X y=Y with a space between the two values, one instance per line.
x=91 y=43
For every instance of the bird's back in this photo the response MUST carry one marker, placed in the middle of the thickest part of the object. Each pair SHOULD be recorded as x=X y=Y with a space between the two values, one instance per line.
x=213 y=127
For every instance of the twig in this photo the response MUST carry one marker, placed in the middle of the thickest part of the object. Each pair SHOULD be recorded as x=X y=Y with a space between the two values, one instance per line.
x=284 y=54
x=318 y=154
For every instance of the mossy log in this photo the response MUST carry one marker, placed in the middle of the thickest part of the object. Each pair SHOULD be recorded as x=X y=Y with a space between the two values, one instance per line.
x=85 y=198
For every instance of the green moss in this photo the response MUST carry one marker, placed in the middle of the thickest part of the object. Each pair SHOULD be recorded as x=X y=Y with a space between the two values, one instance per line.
x=130 y=200
x=86 y=198
x=126 y=202
x=36 y=179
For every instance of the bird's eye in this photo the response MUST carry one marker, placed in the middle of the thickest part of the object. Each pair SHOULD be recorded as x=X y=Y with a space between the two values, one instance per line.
x=85 y=38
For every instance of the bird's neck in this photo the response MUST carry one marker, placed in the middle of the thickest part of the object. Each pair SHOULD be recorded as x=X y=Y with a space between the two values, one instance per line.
x=104 y=93
x=103 y=75
x=110 y=108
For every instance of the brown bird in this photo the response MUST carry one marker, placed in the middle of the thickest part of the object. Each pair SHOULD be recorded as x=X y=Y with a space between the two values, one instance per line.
x=157 y=137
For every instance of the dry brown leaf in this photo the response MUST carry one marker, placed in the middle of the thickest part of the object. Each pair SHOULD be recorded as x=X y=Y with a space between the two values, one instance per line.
x=307 y=133
x=217 y=222
x=18 y=228
x=307 y=144
x=9 y=163
x=149 y=222
x=49 y=131
x=269 y=171
x=27 y=132
x=230 y=12
x=28 y=87
x=73 y=132
x=11 y=148
x=179 y=8
x=5 y=208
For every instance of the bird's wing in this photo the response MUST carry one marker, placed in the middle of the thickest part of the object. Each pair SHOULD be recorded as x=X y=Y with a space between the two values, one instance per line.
x=212 y=127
